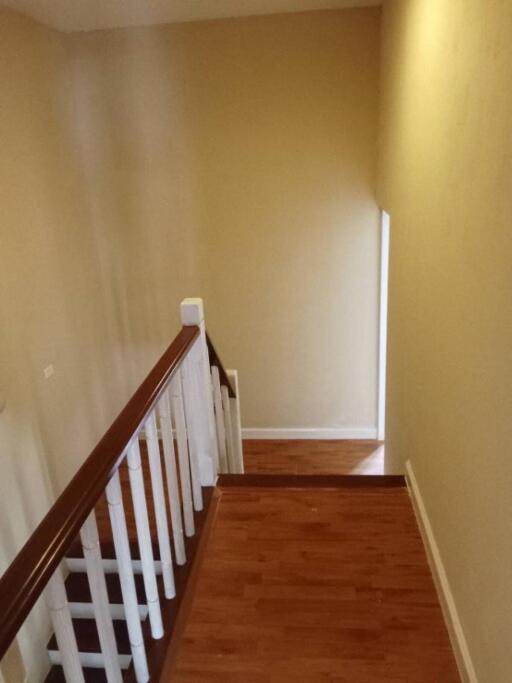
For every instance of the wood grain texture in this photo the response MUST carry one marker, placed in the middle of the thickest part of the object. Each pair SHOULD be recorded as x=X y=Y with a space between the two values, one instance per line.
x=312 y=585
x=294 y=456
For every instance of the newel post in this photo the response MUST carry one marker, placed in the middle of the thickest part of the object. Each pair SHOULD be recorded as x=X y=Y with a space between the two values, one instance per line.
x=198 y=396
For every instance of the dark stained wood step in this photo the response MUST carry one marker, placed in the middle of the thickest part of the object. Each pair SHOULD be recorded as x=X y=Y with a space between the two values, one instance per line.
x=77 y=588
x=87 y=637
x=108 y=550
x=320 y=481
x=56 y=675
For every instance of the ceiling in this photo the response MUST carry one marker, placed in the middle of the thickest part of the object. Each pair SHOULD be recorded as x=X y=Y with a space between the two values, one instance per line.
x=87 y=15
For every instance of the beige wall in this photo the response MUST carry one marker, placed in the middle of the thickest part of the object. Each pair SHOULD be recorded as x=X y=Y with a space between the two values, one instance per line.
x=70 y=296
x=290 y=245
x=275 y=119
x=42 y=236
x=445 y=177
x=234 y=160
x=92 y=268
x=91 y=275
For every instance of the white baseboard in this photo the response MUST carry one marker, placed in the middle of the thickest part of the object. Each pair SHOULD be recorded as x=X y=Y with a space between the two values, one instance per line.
x=310 y=433
x=451 y=616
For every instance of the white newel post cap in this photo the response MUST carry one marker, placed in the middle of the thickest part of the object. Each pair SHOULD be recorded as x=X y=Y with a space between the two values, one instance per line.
x=192 y=311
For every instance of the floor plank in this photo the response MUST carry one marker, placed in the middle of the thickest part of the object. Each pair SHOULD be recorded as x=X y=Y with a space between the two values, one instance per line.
x=313 y=585
x=293 y=456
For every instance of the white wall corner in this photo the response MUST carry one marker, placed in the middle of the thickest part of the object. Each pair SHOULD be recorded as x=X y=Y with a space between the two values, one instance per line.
x=309 y=433
x=451 y=616
x=192 y=311
x=383 y=324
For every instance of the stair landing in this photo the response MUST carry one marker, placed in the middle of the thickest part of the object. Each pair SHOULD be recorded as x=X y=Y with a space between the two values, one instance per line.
x=302 y=583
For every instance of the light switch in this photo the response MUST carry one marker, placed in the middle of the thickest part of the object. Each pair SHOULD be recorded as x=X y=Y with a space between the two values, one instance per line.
x=48 y=371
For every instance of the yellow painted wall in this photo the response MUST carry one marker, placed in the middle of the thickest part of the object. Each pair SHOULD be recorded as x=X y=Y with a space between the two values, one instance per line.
x=69 y=296
x=291 y=232
x=43 y=232
x=233 y=160
x=275 y=119
x=446 y=179
x=92 y=275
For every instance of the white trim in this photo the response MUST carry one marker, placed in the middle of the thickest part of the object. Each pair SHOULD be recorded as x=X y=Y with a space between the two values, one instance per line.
x=383 y=324
x=310 y=433
x=451 y=616
x=93 y=660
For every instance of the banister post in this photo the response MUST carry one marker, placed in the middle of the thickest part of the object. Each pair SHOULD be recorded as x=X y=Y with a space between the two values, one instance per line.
x=198 y=395
x=236 y=422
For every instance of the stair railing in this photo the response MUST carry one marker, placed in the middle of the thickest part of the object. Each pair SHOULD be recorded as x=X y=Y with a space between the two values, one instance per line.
x=227 y=414
x=187 y=399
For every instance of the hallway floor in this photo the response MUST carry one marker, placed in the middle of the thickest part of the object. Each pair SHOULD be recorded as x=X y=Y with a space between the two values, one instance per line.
x=302 y=584
x=269 y=456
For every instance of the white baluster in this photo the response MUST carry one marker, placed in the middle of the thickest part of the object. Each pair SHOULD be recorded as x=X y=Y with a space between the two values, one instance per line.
x=192 y=313
x=229 y=429
x=125 y=569
x=100 y=601
x=164 y=412
x=144 y=539
x=159 y=504
x=183 y=456
x=219 y=419
x=195 y=424
x=236 y=423
x=63 y=626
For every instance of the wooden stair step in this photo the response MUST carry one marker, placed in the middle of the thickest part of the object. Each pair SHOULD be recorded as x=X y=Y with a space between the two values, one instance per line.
x=108 y=551
x=77 y=588
x=89 y=645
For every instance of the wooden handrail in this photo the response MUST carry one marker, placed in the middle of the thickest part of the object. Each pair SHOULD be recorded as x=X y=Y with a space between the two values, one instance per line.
x=215 y=360
x=23 y=582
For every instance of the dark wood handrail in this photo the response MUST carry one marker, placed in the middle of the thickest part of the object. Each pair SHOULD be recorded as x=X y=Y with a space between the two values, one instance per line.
x=23 y=582
x=215 y=360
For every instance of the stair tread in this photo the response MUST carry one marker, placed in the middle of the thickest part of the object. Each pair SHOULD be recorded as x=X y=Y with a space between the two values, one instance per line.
x=77 y=588
x=108 y=552
x=87 y=636
x=91 y=675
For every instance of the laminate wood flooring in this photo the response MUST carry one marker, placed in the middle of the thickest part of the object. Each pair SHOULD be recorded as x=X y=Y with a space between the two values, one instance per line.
x=293 y=456
x=313 y=585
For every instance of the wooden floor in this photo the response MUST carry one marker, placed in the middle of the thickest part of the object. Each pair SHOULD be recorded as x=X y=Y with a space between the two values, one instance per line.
x=314 y=585
x=264 y=456
x=313 y=457
x=307 y=584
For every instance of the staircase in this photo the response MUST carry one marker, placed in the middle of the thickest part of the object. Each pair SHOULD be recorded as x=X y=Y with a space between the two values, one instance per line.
x=82 y=609
x=114 y=554
x=306 y=577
